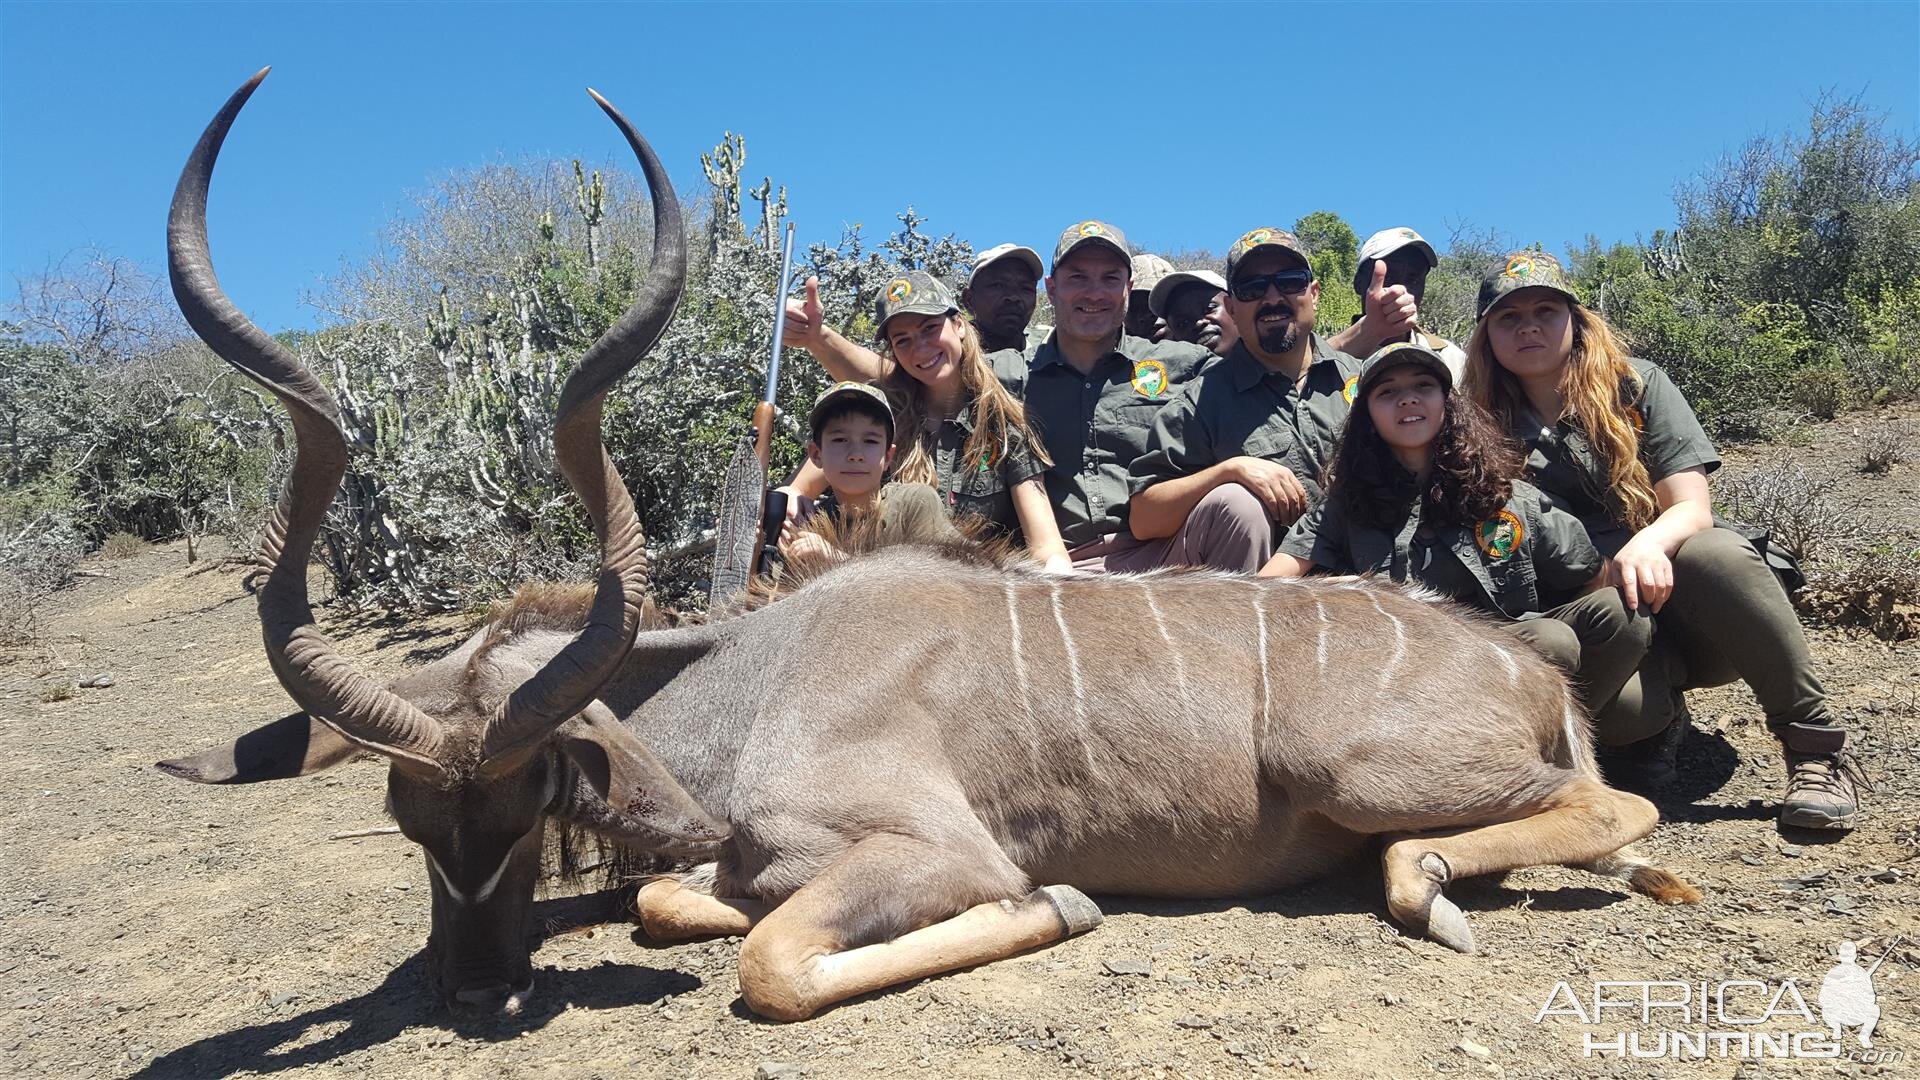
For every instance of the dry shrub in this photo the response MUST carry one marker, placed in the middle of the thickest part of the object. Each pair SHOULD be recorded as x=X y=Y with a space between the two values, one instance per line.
x=1807 y=514
x=1881 y=596
x=1883 y=446
x=122 y=545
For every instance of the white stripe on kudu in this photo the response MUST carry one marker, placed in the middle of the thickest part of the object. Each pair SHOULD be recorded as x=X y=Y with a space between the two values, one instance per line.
x=1173 y=647
x=1399 y=639
x=1266 y=689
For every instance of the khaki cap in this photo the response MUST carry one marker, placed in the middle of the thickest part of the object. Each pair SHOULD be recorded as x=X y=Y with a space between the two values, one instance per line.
x=845 y=391
x=915 y=292
x=1265 y=237
x=1524 y=270
x=1099 y=233
x=1015 y=251
x=1163 y=290
x=1148 y=270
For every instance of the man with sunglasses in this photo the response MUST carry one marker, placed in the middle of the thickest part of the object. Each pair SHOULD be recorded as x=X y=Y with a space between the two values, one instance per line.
x=1249 y=438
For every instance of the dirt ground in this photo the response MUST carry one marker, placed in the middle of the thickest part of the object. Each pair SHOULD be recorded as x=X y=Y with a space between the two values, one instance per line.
x=150 y=927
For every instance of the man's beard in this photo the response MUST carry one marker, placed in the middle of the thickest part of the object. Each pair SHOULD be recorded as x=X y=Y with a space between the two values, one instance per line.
x=1275 y=340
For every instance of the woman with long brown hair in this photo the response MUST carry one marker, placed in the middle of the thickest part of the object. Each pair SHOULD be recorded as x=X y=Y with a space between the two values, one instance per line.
x=1613 y=441
x=959 y=430
x=1423 y=488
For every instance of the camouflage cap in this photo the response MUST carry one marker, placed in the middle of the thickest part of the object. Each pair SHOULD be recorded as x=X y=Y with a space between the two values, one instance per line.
x=1014 y=251
x=864 y=393
x=1148 y=270
x=915 y=292
x=1163 y=290
x=1081 y=234
x=1384 y=243
x=1399 y=353
x=1264 y=237
x=1524 y=270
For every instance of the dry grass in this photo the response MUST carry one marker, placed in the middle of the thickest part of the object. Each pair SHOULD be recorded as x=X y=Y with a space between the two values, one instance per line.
x=122 y=545
x=1808 y=514
x=1883 y=446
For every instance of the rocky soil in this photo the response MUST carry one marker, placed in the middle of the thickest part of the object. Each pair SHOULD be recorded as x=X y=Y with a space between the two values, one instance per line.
x=153 y=928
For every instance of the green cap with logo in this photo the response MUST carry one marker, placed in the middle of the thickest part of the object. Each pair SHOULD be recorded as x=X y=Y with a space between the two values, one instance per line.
x=1525 y=270
x=865 y=394
x=915 y=292
x=1391 y=356
x=1265 y=237
x=1095 y=233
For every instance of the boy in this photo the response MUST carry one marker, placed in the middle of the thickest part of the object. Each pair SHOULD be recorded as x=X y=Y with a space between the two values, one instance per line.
x=851 y=441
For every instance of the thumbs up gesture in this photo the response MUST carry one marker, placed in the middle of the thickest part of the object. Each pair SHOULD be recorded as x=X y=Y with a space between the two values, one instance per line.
x=805 y=318
x=1390 y=310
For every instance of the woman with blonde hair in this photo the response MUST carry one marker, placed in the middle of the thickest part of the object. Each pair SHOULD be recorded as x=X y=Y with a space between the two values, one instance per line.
x=1611 y=440
x=959 y=430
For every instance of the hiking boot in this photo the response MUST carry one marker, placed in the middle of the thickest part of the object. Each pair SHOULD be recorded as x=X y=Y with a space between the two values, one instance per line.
x=1823 y=780
x=1652 y=764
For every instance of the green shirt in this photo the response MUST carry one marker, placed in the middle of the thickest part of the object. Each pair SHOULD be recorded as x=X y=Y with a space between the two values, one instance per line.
x=983 y=488
x=1095 y=425
x=1239 y=408
x=1562 y=464
x=1525 y=559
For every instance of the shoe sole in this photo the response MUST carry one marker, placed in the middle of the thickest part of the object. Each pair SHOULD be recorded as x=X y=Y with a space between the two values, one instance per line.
x=1809 y=818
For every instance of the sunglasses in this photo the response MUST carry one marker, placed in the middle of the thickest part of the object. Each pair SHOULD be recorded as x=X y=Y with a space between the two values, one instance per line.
x=1289 y=282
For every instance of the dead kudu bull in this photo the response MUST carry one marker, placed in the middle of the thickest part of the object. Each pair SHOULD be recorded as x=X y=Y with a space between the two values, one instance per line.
x=882 y=764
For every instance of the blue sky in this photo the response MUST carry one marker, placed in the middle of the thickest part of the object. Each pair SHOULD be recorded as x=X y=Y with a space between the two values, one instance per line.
x=1183 y=124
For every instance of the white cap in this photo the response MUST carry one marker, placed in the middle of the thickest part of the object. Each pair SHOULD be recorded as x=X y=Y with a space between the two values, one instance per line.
x=1000 y=251
x=1163 y=290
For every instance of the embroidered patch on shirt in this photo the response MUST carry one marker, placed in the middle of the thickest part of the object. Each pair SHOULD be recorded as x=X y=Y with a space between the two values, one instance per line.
x=1350 y=388
x=1150 y=378
x=1500 y=535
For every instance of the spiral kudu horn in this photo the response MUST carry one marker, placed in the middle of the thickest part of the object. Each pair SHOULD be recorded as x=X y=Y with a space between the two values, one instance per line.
x=308 y=665
x=571 y=678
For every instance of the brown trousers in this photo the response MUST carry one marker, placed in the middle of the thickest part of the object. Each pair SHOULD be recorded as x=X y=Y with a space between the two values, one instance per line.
x=1228 y=530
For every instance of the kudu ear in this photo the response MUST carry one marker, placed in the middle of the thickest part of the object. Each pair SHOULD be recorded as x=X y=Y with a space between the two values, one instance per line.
x=635 y=785
x=294 y=745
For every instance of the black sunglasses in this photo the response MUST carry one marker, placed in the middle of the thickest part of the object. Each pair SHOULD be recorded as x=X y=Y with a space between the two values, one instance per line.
x=1289 y=282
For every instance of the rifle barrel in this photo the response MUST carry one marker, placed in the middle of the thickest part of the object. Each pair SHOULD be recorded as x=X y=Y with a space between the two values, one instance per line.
x=780 y=315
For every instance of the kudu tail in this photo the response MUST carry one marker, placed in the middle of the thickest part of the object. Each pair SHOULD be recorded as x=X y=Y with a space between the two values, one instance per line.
x=1643 y=877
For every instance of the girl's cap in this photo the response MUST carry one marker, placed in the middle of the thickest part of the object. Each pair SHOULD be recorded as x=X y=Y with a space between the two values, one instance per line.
x=915 y=292
x=1392 y=356
x=1525 y=270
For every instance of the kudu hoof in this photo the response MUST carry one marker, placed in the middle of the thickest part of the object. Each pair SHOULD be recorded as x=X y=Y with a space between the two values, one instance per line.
x=1075 y=909
x=1415 y=898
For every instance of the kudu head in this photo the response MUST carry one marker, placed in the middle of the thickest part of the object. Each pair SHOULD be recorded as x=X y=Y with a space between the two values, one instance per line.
x=475 y=752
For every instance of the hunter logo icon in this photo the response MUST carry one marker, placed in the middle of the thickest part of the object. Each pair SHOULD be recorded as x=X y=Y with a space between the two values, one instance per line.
x=1091 y=228
x=1499 y=536
x=1350 y=388
x=898 y=290
x=1150 y=378
x=1518 y=267
x=1256 y=238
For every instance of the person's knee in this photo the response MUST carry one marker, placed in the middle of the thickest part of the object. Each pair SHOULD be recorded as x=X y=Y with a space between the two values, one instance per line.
x=1552 y=639
x=1716 y=553
x=1611 y=621
x=1232 y=505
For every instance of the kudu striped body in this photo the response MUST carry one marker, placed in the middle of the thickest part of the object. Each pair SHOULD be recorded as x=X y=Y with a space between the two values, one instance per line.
x=920 y=759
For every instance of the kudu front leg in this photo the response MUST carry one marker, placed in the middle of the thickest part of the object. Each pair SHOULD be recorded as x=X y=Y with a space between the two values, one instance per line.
x=669 y=911
x=798 y=961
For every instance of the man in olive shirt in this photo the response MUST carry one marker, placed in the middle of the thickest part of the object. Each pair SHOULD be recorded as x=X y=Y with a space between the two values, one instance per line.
x=1092 y=391
x=1248 y=440
x=1001 y=295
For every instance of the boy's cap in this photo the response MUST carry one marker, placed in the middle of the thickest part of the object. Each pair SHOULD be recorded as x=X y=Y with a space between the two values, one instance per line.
x=1384 y=243
x=1009 y=251
x=1388 y=357
x=1084 y=233
x=1525 y=270
x=915 y=292
x=1163 y=291
x=1265 y=237
x=1148 y=270
x=847 y=391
